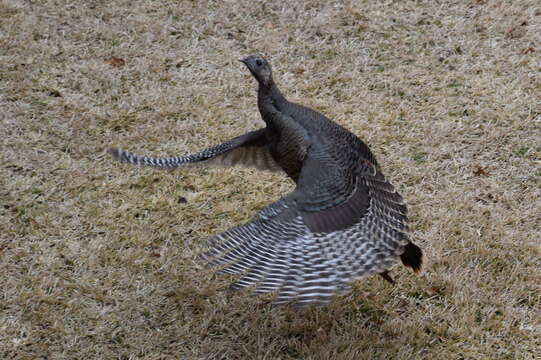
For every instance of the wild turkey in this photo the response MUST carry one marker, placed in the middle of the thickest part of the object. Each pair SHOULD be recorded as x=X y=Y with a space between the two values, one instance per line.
x=342 y=222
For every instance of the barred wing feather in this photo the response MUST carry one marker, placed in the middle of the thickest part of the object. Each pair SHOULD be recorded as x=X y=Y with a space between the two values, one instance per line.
x=308 y=255
x=248 y=150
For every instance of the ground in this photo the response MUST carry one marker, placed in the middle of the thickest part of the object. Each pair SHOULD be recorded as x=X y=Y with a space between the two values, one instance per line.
x=98 y=260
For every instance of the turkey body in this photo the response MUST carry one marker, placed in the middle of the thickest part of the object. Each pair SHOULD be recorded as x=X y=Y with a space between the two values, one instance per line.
x=343 y=221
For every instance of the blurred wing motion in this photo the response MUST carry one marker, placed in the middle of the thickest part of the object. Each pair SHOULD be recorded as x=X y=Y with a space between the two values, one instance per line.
x=249 y=150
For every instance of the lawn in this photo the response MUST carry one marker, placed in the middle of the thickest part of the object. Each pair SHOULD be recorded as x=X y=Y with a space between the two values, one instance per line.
x=98 y=260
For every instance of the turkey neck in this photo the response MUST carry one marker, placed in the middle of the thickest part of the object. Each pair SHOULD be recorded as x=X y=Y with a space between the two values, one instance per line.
x=269 y=100
x=286 y=138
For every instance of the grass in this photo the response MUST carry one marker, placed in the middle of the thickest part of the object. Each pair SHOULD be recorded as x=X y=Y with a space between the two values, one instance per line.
x=97 y=259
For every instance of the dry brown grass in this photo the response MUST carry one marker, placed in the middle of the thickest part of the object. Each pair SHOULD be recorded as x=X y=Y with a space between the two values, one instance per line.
x=97 y=258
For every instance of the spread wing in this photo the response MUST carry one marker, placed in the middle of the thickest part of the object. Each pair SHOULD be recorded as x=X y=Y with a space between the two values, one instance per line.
x=338 y=225
x=249 y=150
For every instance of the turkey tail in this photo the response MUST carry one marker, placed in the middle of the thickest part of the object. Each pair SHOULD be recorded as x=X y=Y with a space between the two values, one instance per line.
x=412 y=257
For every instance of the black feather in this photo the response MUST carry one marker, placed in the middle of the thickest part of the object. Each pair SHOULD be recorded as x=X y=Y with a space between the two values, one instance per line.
x=412 y=257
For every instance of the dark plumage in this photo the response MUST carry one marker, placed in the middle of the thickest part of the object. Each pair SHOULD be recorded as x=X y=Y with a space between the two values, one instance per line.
x=342 y=222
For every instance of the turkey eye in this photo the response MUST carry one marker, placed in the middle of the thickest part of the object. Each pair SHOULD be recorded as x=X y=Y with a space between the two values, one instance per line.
x=258 y=62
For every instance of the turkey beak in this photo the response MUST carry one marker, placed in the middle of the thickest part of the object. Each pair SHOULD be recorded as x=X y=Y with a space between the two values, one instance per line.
x=246 y=61
x=250 y=62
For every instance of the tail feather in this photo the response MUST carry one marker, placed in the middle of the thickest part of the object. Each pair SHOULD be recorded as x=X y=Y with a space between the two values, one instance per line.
x=412 y=257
